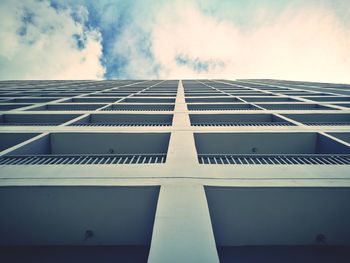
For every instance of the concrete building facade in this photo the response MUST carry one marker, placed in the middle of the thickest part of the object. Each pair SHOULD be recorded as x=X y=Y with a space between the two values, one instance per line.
x=174 y=171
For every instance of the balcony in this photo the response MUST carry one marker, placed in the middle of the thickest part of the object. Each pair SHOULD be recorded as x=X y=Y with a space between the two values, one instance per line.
x=219 y=107
x=35 y=119
x=344 y=136
x=246 y=120
x=125 y=120
x=77 y=223
x=140 y=107
x=31 y=100
x=270 y=148
x=68 y=107
x=91 y=149
x=204 y=94
x=7 y=107
x=280 y=224
x=213 y=100
x=324 y=119
x=255 y=94
x=11 y=139
x=329 y=99
x=92 y=100
x=165 y=95
x=295 y=106
x=148 y=100
x=269 y=99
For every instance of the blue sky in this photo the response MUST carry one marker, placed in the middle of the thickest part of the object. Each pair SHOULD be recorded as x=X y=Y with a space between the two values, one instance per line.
x=108 y=39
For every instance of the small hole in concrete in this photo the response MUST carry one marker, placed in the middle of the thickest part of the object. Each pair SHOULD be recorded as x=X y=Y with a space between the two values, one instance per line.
x=88 y=234
x=321 y=238
x=111 y=150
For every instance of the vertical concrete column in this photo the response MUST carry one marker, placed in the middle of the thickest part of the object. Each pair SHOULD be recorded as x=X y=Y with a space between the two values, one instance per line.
x=182 y=229
x=182 y=150
x=181 y=118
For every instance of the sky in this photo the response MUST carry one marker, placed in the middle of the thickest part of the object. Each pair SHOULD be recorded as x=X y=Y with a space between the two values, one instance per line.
x=178 y=39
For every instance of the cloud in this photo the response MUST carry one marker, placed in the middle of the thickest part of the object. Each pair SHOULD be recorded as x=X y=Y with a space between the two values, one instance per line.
x=41 y=41
x=302 y=39
x=126 y=27
x=304 y=44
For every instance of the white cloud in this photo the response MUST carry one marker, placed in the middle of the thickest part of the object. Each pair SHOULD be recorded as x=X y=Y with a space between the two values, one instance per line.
x=164 y=39
x=133 y=45
x=305 y=44
x=37 y=42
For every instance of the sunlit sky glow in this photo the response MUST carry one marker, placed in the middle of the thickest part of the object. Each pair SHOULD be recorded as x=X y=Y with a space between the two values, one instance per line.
x=143 y=39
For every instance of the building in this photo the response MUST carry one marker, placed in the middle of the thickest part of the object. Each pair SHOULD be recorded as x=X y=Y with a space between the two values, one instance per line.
x=174 y=171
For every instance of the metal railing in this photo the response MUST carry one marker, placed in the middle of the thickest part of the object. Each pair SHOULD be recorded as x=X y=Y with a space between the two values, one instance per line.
x=251 y=124
x=208 y=107
x=294 y=107
x=287 y=159
x=114 y=124
x=29 y=124
x=90 y=159
x=69 y=108
x=133 y=107
x=325 y=123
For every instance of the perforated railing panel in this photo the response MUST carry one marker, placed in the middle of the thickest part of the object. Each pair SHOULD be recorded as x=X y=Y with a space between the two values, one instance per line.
x=274 y=159
x=83 y=159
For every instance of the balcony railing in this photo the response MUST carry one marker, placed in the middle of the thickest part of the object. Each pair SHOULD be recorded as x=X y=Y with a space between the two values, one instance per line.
x=288 y=159
x=240 y=124
x=113 y=124
x=83 y=159
x=339 y=123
